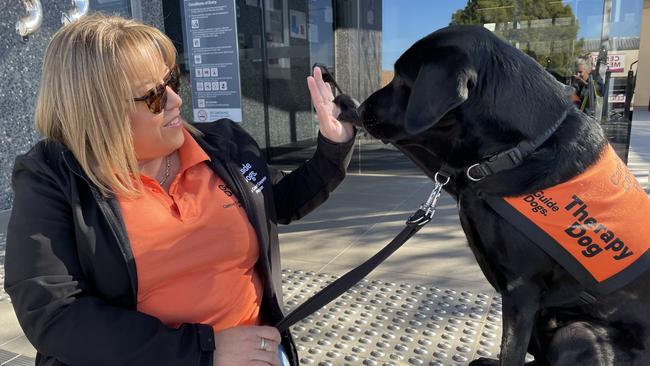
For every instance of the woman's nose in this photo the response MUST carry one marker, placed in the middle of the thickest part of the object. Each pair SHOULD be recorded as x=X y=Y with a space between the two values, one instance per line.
x=173 y=99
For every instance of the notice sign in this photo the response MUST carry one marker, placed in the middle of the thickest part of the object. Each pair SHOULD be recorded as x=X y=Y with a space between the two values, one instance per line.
x=616 y=63
x=210 y=29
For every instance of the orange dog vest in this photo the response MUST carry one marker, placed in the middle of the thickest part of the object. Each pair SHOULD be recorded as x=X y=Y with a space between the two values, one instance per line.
x=594 y=225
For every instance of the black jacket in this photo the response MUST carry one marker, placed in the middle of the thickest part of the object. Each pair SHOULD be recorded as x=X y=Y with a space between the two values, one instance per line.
x=70 y=271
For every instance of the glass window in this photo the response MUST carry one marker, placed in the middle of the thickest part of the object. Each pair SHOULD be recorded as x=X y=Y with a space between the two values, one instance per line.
x=557 y=34
x=359 y=41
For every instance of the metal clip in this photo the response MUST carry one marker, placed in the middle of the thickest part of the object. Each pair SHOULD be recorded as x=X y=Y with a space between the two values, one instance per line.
x=426 y=211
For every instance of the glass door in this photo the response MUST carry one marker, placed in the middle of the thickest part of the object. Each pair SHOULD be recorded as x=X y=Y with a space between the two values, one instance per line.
x=298 y=33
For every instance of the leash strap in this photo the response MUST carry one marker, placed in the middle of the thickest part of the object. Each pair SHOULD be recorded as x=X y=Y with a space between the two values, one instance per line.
x=420 y=218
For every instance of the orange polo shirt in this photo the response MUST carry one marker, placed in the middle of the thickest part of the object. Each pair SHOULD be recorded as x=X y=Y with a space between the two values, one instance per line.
x=195 y=250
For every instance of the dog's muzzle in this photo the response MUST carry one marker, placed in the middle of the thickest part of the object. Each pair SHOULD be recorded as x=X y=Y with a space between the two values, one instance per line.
x=349 y=109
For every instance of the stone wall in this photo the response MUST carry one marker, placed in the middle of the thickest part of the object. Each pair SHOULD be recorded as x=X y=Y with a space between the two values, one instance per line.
x=275 y=100
x=20 y=72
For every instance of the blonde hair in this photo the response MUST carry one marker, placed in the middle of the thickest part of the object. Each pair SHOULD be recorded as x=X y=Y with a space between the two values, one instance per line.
x=86 y=94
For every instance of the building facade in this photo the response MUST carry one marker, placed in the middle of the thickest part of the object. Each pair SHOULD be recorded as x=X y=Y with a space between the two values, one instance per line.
x=248 y=59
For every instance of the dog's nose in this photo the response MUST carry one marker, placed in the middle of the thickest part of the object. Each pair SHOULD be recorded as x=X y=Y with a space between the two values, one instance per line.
x=361 y=110
x=348 y=107
x=365 y=114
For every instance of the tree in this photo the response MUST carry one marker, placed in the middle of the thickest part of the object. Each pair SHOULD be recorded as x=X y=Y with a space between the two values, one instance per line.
x=544 y=29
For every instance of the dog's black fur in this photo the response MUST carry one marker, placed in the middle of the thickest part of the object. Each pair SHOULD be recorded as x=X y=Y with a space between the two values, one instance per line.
x=462 y=94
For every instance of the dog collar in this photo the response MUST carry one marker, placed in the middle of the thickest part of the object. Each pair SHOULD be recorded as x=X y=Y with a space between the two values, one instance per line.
x=512 y=157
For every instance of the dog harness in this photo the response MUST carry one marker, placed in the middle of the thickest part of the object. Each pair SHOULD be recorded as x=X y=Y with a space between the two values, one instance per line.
x=594 y=225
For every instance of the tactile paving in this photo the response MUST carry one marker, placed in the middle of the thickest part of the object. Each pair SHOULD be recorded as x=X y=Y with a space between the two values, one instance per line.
x=6 y=356
x=386 y=323
x=383 y=323
x=20 y=361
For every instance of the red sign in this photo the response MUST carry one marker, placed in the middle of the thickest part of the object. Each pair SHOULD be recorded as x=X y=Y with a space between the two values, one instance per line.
x=615 y=62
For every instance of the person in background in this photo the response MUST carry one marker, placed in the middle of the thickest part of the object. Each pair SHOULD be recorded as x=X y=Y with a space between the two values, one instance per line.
x=138 y=239
x=587 y=89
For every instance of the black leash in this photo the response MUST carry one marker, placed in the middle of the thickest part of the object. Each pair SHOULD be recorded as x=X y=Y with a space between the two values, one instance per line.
x=415 y=222
x=505 y=160
x=420 y=218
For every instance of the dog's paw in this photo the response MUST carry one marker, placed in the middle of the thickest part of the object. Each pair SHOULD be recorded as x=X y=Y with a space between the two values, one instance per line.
x=484 y=362
x=348 y=107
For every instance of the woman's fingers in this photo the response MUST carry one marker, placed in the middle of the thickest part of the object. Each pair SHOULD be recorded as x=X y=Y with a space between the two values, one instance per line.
x=259 y=363
x=247 y=345
x=320 y=91
x=267 y=346
x=326 y=110
x=270 y=358
x=269 y=333
x=314 y=91
x=325 y=89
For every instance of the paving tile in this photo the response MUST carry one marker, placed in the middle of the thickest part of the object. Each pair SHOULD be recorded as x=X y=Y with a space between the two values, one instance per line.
x=20 y=361
x=384 y=322
x=9 y=328
x=6 y=356
x=20 y=346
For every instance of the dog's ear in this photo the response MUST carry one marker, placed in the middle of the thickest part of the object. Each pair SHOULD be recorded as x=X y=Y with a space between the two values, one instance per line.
x=442 y=84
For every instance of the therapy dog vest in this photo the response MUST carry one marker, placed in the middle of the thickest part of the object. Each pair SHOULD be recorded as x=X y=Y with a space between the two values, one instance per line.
x=595 y=225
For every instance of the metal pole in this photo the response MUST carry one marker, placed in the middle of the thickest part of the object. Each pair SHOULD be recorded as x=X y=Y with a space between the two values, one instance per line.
x=266 y=88
x=358 y=31
x=601 y=64
x=136 y=9
x=629 y=91
x=605 y=104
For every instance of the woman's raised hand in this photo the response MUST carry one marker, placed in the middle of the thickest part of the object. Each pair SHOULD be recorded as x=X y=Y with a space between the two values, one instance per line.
x=327 y=111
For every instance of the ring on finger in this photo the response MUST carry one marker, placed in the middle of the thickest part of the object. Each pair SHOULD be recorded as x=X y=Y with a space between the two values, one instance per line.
x=263 y=344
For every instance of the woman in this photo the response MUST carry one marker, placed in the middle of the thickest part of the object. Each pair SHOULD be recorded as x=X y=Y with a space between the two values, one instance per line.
x=137 y=239
x=587 y=90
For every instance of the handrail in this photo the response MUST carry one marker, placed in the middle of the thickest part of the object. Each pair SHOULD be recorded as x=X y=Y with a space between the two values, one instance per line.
x=29 y=24
x=79 y=9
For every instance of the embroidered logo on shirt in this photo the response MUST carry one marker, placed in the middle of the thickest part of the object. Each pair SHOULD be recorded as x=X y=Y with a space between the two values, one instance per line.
x=228 y=192
x=251 y=177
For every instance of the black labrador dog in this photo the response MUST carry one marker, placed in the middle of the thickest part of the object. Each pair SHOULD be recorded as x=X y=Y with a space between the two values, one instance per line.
x=460 y=95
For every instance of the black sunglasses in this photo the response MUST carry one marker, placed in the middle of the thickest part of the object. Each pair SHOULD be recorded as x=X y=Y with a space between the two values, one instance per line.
x=327 y=76
x=156 y=97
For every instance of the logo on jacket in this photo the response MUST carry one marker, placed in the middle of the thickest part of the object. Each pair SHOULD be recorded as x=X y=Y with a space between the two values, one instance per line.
x=251 y=177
